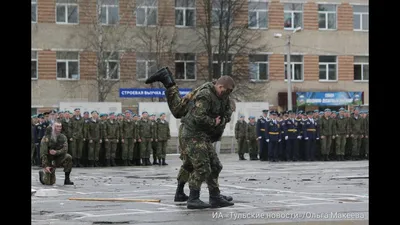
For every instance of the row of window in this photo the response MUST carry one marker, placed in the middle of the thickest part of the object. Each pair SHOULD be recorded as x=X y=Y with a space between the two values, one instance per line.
x=185 y=14
x=185 y=66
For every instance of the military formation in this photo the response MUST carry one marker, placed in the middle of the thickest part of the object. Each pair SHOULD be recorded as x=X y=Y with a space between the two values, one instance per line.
x=104 y=139
x=304 y=136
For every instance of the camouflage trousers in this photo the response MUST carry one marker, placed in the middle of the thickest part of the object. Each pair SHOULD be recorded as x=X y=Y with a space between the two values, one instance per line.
x=162 y=149
x=326 y=143
x=33 y=147
x=241 y=145
x=49 y=178
x=145 y=148
x=111 y=148
x=154 y=148
x=356 y=142
x=94 y=150
x=340 y=144
x=175 y=102
x=206 y=164
x=127 y=149
x=253 y=147
x=77 y=146
x=64 y=161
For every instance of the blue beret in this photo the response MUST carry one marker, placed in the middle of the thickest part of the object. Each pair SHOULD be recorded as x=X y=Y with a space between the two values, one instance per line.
x=316 y=111
x=241 y=116
x=341 y=109
x=104 y=114
x=128 y=111
x=94 y=111
x=144 y=112
x=76 y=109
x=162 y=114
x=252 y=117
x=265 y=111
x=273 y=112
x=309 y=112
x=327 y=110
x=153 y=114
x=34 y=116
x=86 y=112
x=112 y=113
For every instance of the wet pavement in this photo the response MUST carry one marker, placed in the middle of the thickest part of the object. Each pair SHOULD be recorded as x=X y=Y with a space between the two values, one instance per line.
x=263 y=192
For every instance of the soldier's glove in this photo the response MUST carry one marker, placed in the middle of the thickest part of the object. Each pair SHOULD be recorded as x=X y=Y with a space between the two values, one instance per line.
x=298 y=137
x=286 y=137
x=279 y=140
x=347 y=136
x=306 y=138
x=315 y=138
x=267 y=140
x=333 y=137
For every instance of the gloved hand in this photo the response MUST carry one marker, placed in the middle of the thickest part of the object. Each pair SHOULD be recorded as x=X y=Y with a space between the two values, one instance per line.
x=298 y=137
x=286 y=137
x=306 y=138
x=317 y=138
x=267 y=140
x=279 y=140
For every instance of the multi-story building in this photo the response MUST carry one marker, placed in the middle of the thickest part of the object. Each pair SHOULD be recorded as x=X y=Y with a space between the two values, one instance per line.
x=329 y=54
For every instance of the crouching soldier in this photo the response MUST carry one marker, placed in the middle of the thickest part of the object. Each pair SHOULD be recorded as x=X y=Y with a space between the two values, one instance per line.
x=54 y=153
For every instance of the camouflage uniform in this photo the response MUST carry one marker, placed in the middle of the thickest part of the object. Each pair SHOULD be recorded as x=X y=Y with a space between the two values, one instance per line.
x=240 y=135
x=65 y=130
x=366 y=137
x=111 y=135
x=33 y=138
x=154 y=143
x=127 y=138
x=327 y=133
x=136 y=145
x=146 y=135
x=60 y=159
x=342 y=132
x=94 y=135
x=357 y=133
x=76 y=129
x=163 y=135
x=251 y=137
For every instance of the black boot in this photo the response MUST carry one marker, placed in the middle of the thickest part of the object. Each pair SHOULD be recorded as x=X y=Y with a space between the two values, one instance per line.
x=41 y=174
x=228 y=198
x=144 y=162
x=159 y=162
x=130 y=163
x=107 y=162
x=148 y=161
x=78 y=163
x=194 y=201
x=74 y=162
x=125 y=162
x=155 y=162
x=164 y=76
x=113 y=162
x=67 y=181
x=91 y=163
x=217 y=201
x=164 y=163
x=138 y=162
x=180 y=195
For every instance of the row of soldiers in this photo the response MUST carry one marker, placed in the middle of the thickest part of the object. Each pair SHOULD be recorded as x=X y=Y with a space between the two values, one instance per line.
x=306 y=136
x=91 y=138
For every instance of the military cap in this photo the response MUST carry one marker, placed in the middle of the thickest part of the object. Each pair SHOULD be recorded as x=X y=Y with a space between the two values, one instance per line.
x=86 y=112
x=316 y=111
x=265 y=111
x=286 y=113
x=241 y=116
x=356 y=108
x=274 y=112
x=119 y=114
x=334 y=112
x=346 y=111
x=251 y=117
x=327 y=110
x=309 y=112
x=289 y=111
x=144 y=112
x=341 y=109
x=34 y=116
x=362 y=112
x=153 y=114
x=128 y=111
x=162 y=114
x=60 y=112
x=53 y=111
x=40 y=116
x=45 y=113
x=112 y=113
x=76 y=109
x=94 y=111
x=321 y=113
x=300 y=112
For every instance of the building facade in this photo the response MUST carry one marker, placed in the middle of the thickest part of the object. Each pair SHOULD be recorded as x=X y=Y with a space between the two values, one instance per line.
x=329 y=54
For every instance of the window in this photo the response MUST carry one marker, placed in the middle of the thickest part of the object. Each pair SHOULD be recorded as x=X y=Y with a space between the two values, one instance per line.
x=146 y=12
x=360 y=18
x=145 y=65
x=34 y=65
x=111 y=60
x=293 y=15
x=296 y=67
x=33 y=11
x=225 y=68
x=67 y=11
x=67 y=65
x=327 y=17
x=185 y=13
x=185 y=66
x=258 y=14
x=109 y=11
x=220 y=13
x=258 y=67
x=327 y=68
x=361 y=68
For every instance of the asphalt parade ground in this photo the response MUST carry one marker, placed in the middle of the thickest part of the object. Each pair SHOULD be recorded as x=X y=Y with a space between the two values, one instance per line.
x=334 y=192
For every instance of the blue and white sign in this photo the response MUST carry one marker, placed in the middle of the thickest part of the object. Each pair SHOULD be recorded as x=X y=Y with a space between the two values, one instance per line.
x=329 y=98
x=148 y=92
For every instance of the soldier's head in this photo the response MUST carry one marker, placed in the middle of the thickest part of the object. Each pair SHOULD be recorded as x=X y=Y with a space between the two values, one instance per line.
x=135 y=117
x=152 y=117
x=57 y=127
x=327 y=112
x=341 y=112
x=34 y=119
x=60 y=115
x=86 y=115
x=46 y=116
x=273 y=115
x=265 y=113
x=252 y=119
x=53 y=114
x=356 y=111
x=363 y=114
x=334 y=114
x=128 y=114
x=77 y=112
x=120 y=116
x=112 y=116
x=95 y=115
x=292 y=115
x=316 y=113
x=285 y=115
x=145 y=115
x=310 y=114
x=241 y=118
x=104 y=116
x=162 y=116
x=224 y=86
x=67 y=114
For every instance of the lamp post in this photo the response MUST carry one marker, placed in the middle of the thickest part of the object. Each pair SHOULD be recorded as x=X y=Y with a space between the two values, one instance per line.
x=289 y=68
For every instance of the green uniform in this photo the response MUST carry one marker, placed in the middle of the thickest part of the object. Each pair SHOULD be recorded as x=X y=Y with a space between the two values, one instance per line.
x=146 y=135
x=77 y=135
x=154 y=143
x=65 y=130
x=127 y=137
x=252 y=140
x=187 y=167
x=136 y=144
x=163 y=135
x=366 y=135
x=60 y=159
x=240 y=135
x=327 y=132
x=94 y=136
x=342 y=132
x=357 y=131
x=33 y=130
x=111 y=136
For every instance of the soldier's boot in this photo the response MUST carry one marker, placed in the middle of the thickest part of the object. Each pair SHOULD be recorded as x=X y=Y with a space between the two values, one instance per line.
x=113 y=162
x=164 y=76
x=78 y=163
x=144 y=162
x=74 y=162
x=180 y=195
x=67 y=181
x=164 y=163
x=91 y=163
x=155 y=161
x=41 y=174
x=159 y=162
x=194 y=201
x=228 y=198
x=138 y=163
x=130 y=163
x=217 y=201
x=148 y=162
x=108 y=163
x=240 y=156
x=125 y=162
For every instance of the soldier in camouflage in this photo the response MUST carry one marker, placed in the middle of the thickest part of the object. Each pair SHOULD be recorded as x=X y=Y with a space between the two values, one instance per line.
x=252 y=139
x=163 y=135
x=240 y=135
x=33 y=139
x=111 y=138
x=357 y=133
x=102 y=151
x=146 y=137
x=342 y=133
x=327 y=133
x=154 y=143
x=94 y=135
x=54 y=153
x=66 y=123
x=77 y=137
x=85 y=148
x=127 y=138
x=136 y=144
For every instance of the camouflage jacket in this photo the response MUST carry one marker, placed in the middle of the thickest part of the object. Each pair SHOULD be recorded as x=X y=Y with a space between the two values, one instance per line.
x=111 y=130
x=163 y=132
x=240 y=129
x=60 y=145
x=76 y=127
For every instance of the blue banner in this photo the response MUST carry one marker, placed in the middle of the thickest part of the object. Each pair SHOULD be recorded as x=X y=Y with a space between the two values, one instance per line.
x=329 y=98
x=147 y=92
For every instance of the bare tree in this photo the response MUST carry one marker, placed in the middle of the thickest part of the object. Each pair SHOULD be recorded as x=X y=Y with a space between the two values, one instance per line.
x=107 y=34
x=227 y=41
